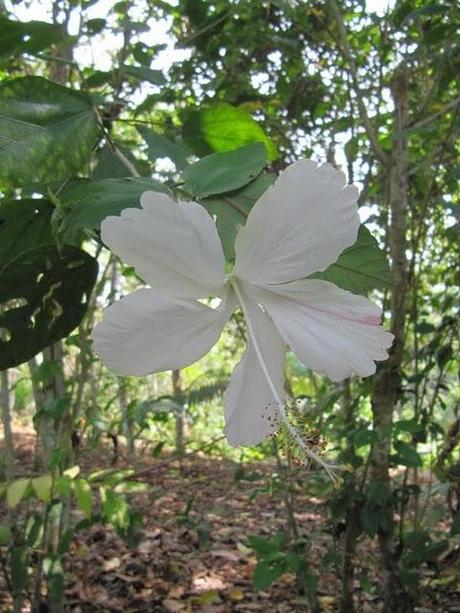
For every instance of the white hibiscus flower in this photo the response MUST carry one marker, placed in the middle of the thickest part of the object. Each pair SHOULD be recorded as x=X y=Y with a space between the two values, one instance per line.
x=298 y=227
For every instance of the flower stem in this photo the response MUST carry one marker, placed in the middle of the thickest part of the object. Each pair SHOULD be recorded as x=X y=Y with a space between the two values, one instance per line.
x=280 y=404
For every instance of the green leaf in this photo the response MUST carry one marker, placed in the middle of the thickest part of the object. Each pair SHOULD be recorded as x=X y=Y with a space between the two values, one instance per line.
x=408 y=425
x=231 y=210
x=363 y=437
x=44 y=293
x=293 y=562
x=55 y=409
x=5 y=534
x=47 y=371
x=219 y=173
x=65 y=541
x=109 y=165
x=18 y=569
x=43 y=486
x=15 y=491
x=85 y=204
x=54 y=577
x=96 y=25
x=100 y=77
x=34 y=530
x=115 y=509
x=24 y=228
x=360 y=268
x=63 y=486
x=156 y=77
x=47 y=132
x=406 y=455
x=83 y=495
x=265 y=574
x=160 y=146
x=266 y=546
x=27 y=37
x=223 y=127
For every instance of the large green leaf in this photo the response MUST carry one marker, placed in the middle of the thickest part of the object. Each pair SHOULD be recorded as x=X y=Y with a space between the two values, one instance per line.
x=219 y=173
x=223 y=127
x=160 y=146
x=231 y=210
x=43 y=292
x=47 y=132
x=24 y=227
x=361 y=267
x=27 y=37
x=51 y=290
x=84 y=204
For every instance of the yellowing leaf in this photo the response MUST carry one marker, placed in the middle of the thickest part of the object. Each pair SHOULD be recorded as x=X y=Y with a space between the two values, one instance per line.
x=236 y=594
x=42 y=487
x=209 y=597
x=327 y=603
x=16 y=491
x=72 y=472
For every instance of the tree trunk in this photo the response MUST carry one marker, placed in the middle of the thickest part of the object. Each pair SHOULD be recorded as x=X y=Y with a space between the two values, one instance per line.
x=178 y=393
x=126 y=420
x=54 y=433
x=10 y=468
x=387 y=381
x=7 y=431
x=351 y=517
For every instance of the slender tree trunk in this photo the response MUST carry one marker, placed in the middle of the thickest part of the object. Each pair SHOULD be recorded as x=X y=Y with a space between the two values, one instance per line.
x=351 y=516
x=52 y=391
x=54 y=434
x=126 y=420
x=178 y=394
x=7 y=430
x=387 y=381
x=10 y=468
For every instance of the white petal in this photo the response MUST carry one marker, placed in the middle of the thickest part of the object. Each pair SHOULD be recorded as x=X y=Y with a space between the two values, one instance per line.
x=174 y=246
x=250 y=405
x=299 y=226
x=147 y=332
x=331 y=331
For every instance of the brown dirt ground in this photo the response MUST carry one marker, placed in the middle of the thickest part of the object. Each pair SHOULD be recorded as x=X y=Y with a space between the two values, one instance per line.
x=169 y=571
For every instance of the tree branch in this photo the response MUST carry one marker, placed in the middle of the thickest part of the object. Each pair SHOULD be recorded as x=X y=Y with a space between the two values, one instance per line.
x=347 y=54
x=445 y=109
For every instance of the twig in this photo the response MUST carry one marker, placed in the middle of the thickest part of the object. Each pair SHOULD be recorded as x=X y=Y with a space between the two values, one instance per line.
x=347 y=53
x=120 y=155
x=210 y=26
x=448 y=107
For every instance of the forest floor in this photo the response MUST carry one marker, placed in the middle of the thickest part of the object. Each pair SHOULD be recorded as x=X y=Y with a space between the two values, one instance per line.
x=192 y=553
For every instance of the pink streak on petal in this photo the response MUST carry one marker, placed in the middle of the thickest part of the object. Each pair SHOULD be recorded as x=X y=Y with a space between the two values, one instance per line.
x=372 y=320
x=369 y=320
